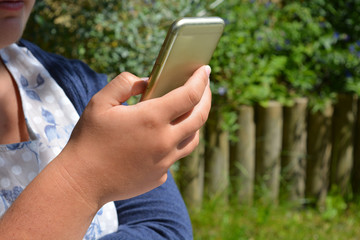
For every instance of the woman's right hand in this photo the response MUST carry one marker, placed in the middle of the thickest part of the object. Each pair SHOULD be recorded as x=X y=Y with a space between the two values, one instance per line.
x=117 y=152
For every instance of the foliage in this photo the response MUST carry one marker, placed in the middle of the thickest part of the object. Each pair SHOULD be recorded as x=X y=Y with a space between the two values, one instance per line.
x=111 y=36
x=268 y=51
x=301 y=36
x=341 y=14
x=242 y=64
x=335 y=207
x=339 y=67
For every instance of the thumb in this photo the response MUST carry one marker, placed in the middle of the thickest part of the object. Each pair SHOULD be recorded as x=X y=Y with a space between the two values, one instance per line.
x=121 y=88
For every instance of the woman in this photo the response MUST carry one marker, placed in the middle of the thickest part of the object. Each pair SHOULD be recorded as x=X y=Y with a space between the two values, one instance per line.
x=115 y=152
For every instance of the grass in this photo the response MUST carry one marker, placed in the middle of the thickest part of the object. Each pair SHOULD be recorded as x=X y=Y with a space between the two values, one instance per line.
x=217 y=220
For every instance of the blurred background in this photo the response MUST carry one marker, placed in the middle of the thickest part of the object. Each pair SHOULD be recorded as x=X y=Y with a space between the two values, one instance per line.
x=280 y=153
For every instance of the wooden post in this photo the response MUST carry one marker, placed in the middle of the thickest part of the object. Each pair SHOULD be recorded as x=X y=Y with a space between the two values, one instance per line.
x=216 y=158
x=293 y=161
x=269 y=123
x=242 y=157
x=356 y=169
x=342 y=143
x=318 y=155
x=190 y=177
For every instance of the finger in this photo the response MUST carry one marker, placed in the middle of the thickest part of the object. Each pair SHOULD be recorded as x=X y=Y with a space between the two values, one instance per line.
x=187 y=124
x=121 y=88
x=184 y=98
x=183 y=149
x=188 y=145
x=187 y=141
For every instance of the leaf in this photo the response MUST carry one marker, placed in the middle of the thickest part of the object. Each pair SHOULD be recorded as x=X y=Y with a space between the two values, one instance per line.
x=33 y=95
x=100 y=212
x=40 y=80
x=24 y=82
x=11 y=195
x=48 y=116
x=15 y=146
x=50 y=132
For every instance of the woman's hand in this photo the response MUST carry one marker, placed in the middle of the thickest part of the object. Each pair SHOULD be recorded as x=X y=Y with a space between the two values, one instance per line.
x=117 y=152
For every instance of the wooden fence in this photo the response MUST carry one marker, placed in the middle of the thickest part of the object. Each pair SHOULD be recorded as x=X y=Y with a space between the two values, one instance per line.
x=288 y=153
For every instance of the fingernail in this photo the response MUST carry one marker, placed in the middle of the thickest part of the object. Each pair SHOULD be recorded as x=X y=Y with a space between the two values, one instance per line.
x=144 y=79
x=208 y=70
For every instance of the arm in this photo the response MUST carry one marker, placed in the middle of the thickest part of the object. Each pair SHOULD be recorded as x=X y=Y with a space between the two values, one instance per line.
x=115 y=152
x=135 y=215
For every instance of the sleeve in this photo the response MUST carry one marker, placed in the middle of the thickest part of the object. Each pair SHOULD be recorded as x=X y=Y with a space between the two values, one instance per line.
x=158 y=214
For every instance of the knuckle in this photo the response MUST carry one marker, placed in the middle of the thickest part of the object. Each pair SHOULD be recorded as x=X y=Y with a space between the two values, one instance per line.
x=193 y=96
x=94 y=103
x=196 y=142
x=191 y=148
x=190 y=144
x=203 y=118
x=125 y=75
x=164 y=145
x=163 y=179
x=204 y=113
x=124 y=79
x=151 y=121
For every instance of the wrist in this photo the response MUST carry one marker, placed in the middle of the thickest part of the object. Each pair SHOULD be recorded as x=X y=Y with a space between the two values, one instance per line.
x=77 y=179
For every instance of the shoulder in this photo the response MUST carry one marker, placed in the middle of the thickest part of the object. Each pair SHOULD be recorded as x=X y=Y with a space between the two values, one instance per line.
x=76 y=78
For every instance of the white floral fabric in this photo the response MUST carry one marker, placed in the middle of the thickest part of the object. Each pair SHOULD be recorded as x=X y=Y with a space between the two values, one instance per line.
x=50 y=118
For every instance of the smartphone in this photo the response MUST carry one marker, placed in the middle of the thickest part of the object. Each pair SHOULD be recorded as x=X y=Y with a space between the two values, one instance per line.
x=189 y=44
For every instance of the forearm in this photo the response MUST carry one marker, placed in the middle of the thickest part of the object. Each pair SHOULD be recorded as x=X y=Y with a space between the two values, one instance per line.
x=49 y=208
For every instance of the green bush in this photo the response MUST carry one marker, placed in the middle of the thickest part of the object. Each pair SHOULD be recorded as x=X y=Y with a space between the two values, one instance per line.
x=308 y=40
x=268 y=52
x=243 y=67
x=111 y=36
x=339 y=66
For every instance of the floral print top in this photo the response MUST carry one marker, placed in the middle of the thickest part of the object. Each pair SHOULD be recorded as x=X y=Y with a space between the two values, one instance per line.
x=50 y=118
